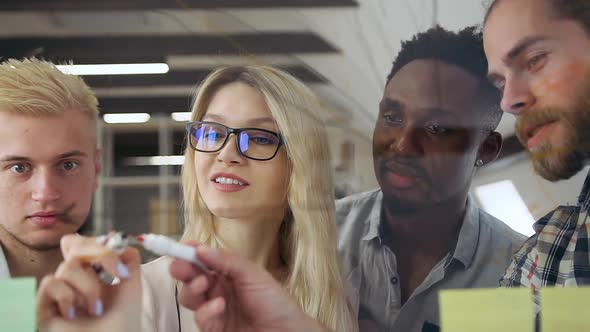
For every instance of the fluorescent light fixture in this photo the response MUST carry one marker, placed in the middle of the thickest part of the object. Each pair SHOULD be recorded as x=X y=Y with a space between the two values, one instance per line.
x=155 y=161
x=181 y=116
x=126 y=118
x=115 y=69
x=502 y=200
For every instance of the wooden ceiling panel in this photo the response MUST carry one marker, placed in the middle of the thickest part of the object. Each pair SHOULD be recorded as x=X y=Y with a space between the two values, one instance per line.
x=115 y=49
x=45 y=5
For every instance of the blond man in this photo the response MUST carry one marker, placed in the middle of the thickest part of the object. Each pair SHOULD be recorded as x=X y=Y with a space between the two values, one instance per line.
x=49 y=163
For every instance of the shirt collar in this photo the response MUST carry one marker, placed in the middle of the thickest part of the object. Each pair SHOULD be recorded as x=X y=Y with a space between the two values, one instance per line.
x=584 y=198
x=4 y=272
x=468 y=234
x=374 y=218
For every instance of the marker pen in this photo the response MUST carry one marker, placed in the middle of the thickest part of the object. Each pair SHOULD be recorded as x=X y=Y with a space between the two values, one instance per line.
x=162 y=245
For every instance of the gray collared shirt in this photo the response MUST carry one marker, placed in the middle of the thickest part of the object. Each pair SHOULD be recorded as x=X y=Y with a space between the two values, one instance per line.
x=483 y=251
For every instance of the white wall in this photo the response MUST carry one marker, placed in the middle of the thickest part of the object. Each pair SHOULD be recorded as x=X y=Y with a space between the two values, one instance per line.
x=352 y=158
x=539 y=195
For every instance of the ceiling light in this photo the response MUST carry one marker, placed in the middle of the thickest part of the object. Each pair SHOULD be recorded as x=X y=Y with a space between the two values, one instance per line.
x=115 y=69
x=155 y=161
x=181 y=116
x=493 y=198
x=126 y=118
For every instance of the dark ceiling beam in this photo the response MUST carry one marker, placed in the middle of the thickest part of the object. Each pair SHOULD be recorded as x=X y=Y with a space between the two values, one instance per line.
x=184 y=78
x=144 y=104
x=90 y=49
x=78 y=5
x=141 y=144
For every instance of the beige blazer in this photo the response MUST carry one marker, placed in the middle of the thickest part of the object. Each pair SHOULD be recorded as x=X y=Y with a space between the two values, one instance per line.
x=160 y=312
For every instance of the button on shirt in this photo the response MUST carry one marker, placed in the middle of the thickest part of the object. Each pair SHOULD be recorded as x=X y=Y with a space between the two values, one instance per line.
x=484 y=248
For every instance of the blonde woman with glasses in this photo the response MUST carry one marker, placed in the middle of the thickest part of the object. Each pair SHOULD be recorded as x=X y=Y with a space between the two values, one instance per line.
x=257 y=182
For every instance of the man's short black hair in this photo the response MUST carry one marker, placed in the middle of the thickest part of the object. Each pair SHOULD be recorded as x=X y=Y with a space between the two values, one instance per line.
x=577 y=10
x=463 y=49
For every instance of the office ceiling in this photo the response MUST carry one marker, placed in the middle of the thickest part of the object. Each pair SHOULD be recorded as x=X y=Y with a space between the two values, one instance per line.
x=341 y=48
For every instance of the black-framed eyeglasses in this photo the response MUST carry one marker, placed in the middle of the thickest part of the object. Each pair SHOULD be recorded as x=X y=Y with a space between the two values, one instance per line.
x=252 y=143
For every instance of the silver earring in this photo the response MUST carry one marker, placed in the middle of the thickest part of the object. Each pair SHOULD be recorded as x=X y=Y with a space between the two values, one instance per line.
x=479 y=163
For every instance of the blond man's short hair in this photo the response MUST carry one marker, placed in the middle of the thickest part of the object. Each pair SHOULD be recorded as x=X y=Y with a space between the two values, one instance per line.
x=36 y=87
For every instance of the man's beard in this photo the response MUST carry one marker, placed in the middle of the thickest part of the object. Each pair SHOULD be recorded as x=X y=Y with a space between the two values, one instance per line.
x=556 y=163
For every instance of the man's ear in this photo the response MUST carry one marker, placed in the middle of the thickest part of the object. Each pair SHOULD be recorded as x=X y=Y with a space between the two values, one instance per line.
x=490 y=148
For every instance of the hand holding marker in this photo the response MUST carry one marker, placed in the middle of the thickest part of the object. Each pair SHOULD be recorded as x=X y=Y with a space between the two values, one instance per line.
x=158 y=244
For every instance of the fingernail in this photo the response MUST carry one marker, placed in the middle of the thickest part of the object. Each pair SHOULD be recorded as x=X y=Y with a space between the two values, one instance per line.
x=217 y=304
x=122 y=270
x=98 y=308
x=71 y=313
x=102 y=239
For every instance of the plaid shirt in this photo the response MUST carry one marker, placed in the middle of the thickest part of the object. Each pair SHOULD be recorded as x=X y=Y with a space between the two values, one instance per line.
x=558 y=254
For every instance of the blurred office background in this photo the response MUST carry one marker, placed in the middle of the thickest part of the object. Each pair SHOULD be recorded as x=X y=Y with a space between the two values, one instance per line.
x=343 y=49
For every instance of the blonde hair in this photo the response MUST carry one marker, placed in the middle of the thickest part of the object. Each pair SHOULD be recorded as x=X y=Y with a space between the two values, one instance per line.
x=35 y=87
x=308 y=235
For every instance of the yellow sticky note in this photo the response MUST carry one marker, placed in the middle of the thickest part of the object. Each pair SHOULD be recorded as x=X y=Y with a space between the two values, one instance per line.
x=17 y=304
x=565 y=309
x=486 y=310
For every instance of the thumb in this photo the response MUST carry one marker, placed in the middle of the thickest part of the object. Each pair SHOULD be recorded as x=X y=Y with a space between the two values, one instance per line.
x=131 y=258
